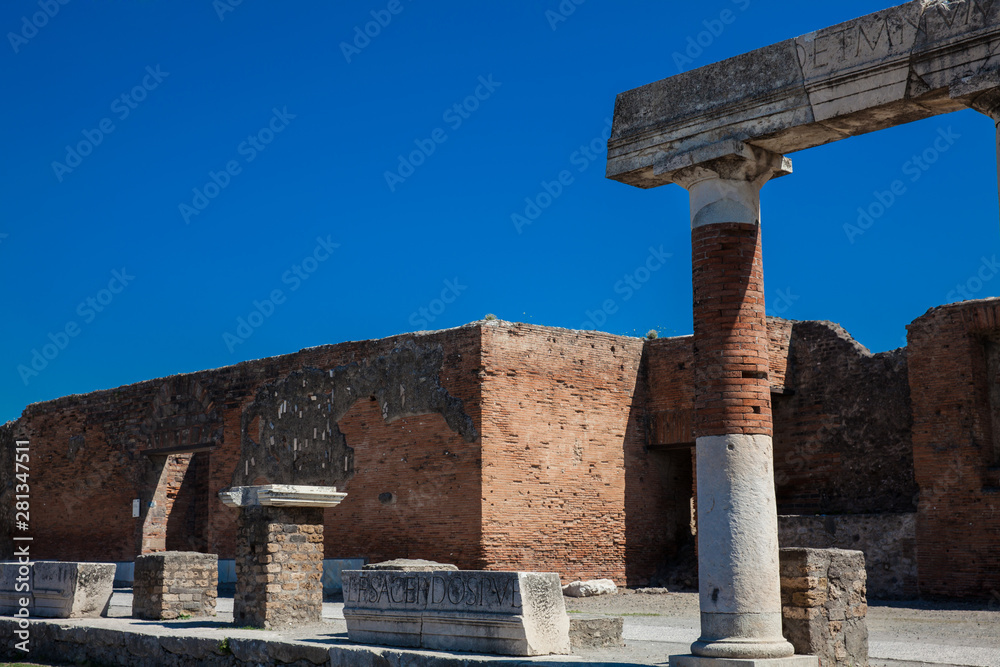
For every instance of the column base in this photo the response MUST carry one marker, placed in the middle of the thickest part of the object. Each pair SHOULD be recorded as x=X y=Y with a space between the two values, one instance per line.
x=699 y=661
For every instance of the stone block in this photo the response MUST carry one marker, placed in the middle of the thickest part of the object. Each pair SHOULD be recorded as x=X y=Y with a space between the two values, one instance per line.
x=508 y=613
x=165 y=585
x=584 y=589
x=826 y=618
x=57 y=589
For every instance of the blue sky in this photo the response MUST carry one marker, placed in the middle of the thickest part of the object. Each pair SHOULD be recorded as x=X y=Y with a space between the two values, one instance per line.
x=170 y=167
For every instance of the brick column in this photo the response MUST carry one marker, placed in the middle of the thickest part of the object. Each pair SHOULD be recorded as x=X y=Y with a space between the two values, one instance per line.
x=739 y=586
x=279 y=566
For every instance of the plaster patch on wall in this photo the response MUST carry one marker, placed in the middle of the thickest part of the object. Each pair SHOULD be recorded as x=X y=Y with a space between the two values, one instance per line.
x=298 y=440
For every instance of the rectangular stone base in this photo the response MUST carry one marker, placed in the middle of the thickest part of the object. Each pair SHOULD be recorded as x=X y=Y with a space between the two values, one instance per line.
x=507 y=613
x=698 y=661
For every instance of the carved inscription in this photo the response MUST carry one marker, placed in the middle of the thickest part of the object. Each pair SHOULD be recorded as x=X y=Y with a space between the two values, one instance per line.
x=961 y=15
x=856 y=43
x=893 y=32
x=469 y=591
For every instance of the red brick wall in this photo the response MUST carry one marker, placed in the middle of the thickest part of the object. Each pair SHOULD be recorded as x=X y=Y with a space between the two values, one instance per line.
x=83 y=489
x=958 y=520
x=559 y=414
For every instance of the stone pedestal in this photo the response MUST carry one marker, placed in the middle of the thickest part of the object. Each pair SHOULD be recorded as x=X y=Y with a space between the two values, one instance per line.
x=279 y=553
x=824 y=604
x=171 y=584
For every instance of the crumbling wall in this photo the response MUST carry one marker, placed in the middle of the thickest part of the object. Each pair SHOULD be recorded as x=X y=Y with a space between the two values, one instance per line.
x=91 y=455
x=958 y=516
x=842 y=427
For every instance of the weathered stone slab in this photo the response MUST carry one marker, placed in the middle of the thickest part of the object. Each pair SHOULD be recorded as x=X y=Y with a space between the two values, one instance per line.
x=410 y=565
x=281 y=495
x=57 y=590
x=509 y=613
x=895 y=66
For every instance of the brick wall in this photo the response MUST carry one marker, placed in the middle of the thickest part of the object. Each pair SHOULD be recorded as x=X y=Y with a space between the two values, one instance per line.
x=582 y=459
x=958 y=515
x=560 y=414
x=842 y=426
x=88 y=463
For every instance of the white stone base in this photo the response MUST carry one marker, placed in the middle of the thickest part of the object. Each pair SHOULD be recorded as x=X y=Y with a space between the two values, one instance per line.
x=698 y=661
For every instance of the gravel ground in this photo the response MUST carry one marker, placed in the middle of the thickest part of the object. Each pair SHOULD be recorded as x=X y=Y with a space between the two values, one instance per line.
x=900 y=633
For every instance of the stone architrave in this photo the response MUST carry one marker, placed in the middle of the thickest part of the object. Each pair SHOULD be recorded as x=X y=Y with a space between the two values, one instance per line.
x=898 y=65
x=508 y=613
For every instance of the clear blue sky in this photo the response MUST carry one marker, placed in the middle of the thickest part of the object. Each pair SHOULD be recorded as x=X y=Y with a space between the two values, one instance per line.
x=266 y=91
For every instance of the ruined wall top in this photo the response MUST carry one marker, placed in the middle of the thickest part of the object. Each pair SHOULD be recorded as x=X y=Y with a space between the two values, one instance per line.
x=902 y=64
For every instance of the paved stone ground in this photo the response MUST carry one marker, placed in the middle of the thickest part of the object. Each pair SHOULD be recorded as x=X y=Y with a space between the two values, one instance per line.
x=656 y=626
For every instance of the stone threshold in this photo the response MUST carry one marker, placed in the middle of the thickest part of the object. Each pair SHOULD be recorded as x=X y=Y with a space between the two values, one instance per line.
x=131 y=643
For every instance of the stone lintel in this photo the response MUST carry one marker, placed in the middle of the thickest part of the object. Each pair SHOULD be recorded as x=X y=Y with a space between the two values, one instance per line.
x=697 y=661
x=281 y=495
x=892 y=67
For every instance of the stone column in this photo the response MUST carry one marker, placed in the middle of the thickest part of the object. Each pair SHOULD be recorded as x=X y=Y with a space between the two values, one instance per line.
x=740 y=595
x=279 y=553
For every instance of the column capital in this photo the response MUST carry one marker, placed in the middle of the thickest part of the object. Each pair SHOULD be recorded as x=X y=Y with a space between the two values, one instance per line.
x=726 y=160
x=980 y=92
x=725 y=185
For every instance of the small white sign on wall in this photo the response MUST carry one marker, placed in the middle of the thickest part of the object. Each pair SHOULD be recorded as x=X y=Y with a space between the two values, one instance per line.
x=135 y=507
